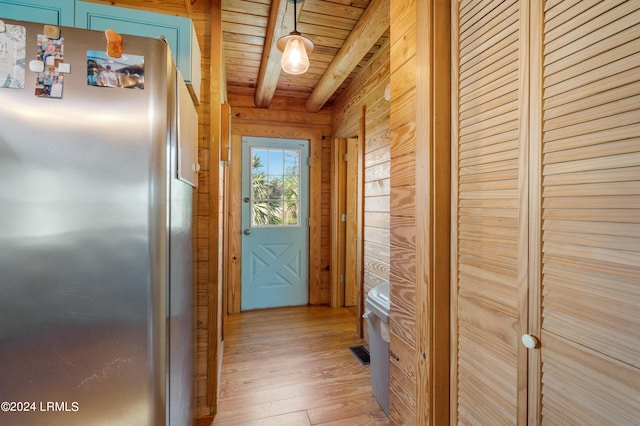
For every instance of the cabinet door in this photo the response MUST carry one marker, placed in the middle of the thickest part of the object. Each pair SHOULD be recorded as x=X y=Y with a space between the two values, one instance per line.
x=60 y=12
x=178 y=31
x=590 y=340
x=489 y=310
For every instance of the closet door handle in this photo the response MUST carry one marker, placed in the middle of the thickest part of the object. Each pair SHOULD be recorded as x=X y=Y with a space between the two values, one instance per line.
x=529 y=341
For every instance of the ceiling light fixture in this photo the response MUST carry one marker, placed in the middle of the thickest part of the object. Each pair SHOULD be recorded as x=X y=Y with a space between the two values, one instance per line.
x=295 y=48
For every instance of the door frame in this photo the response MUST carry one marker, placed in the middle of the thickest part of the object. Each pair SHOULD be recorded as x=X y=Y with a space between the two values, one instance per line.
x=338 y=227
x=342 y=253
x=314 y=135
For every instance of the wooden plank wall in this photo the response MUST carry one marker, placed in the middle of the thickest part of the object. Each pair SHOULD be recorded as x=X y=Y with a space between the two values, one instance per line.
x=366 y=96
x=203 y=215
x=402 y=369
x=282 y=119
x=420 y=205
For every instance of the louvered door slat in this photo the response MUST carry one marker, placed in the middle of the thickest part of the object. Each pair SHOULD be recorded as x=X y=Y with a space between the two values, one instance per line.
x=595 y=100
x=609 y=175
x=603 y=163
x=497 y=39
x=604 y=148
x=611 y=123
x=484 y=24
x=621 y=215
x=475 y=107
x=577 y=115
x=625 y=78
x=595 y=71
x=594 y=204
x=586 y=388
x=489 y=140
x=489 y=84
x=582 y=20
x=474 y=12
x=553 y=8
x=594 y=138
x=600 y=50
x=591 y=31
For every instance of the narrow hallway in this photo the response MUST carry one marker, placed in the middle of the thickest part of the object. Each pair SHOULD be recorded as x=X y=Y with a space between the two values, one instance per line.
x=293 y=366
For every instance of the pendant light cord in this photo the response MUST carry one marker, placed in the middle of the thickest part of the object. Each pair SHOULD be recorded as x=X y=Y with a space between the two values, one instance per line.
x=295 y=18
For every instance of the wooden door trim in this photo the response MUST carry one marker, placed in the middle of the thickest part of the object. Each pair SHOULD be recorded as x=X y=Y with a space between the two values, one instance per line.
x=534 y=362
x=314 y=135
x=455 y=135
x=338 y=176
x=523 y=214
x=353 y=222
x=360 y=217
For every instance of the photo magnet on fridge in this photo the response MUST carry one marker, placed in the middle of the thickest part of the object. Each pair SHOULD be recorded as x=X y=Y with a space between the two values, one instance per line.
x=126 y=72
x=49 y=82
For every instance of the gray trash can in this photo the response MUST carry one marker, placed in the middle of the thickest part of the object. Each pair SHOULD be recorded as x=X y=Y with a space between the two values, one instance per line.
x=377 y=305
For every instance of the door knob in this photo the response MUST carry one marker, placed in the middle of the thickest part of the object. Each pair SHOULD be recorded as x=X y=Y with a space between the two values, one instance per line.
x=246 y=199
x=246 y=231
x=529 y=341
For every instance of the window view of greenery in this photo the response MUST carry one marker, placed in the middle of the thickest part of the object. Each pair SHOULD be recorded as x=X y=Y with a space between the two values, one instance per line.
x=275 y=177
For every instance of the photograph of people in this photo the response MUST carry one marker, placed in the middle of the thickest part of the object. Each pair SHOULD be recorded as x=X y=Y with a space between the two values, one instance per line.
x=49 y=52
x=107 y=77
x=92 y=77
x=126 y=72
x=49 y=49
x=48 y=82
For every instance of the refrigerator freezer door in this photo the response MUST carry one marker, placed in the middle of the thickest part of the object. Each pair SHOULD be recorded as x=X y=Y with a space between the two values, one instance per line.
x=84 y=262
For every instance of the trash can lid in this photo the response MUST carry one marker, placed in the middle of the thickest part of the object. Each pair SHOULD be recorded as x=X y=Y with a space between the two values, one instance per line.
x=378 y=300
x=381 y=292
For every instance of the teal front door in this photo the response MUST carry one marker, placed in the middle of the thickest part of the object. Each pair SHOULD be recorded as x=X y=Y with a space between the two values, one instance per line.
x=275 y=222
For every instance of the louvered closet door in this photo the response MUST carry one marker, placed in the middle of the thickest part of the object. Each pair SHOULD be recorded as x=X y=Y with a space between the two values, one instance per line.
x=590 y=339
x=489 y=292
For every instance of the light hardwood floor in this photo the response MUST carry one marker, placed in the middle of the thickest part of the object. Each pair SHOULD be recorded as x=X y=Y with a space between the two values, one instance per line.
x=292 y=366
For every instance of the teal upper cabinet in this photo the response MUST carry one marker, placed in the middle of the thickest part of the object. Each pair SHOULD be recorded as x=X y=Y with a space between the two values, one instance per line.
x=179 y=33
x=59 y=12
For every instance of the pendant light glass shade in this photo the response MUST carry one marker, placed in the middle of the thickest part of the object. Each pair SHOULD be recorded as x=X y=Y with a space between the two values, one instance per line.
x=295 y=48
x=294 y=58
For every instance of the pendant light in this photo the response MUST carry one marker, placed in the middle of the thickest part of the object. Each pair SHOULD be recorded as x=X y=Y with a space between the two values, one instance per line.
x=295 y=48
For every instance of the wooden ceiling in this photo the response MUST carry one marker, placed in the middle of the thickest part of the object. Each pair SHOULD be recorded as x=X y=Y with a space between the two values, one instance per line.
x=346 y=34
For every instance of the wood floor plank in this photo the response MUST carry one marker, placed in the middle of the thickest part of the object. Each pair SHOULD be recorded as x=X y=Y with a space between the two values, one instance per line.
x=298 y=418
x=336 y=412
x=292 y=366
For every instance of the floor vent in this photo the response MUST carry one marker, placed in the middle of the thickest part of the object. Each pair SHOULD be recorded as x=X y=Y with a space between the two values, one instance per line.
x=361 y=353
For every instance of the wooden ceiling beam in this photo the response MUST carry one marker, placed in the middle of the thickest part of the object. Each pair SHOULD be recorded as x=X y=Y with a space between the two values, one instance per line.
x=280 y=24
x=371 y=26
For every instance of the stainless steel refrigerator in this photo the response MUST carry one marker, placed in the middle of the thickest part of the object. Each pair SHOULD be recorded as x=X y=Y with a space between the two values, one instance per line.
x=95 y=235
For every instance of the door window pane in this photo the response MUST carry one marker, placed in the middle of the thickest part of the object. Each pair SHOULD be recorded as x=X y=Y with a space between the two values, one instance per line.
x=275 y=187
